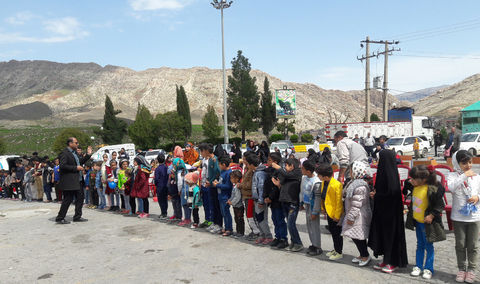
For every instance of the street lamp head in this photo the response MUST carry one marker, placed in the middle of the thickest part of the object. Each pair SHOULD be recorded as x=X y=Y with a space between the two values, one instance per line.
x=222 y=4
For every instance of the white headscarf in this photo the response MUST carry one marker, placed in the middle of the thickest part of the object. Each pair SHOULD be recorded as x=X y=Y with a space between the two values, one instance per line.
x=359 y=170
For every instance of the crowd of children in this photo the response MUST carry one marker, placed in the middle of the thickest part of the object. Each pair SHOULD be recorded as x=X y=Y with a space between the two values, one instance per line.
x=371 y=215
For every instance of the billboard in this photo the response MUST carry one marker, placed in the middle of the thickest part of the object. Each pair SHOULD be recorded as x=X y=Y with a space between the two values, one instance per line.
x=285 y=101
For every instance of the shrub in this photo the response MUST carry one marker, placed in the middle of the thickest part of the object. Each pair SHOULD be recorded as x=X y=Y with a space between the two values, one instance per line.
x=275 y=137
x=307 y=137
x=294 y=138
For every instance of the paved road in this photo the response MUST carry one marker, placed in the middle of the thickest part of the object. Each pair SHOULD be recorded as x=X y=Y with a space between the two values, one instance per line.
x=111 y=248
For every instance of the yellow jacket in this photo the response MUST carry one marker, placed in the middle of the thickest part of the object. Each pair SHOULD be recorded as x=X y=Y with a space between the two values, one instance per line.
x=333 y=204
x=416 y=145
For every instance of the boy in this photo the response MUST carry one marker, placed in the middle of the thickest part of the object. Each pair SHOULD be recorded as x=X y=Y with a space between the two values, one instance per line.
x=416 y=149
x=99 y=185
x=210 y=172
x=237 y=204
x=289 y=184
x=47 y=178
x=261 y=211
x=311 y=187
x=330 y=203
x=19 y=173
x=271 y=195
x=224 y=190
x=88 y=197
x=28 y=181
x=161 y=180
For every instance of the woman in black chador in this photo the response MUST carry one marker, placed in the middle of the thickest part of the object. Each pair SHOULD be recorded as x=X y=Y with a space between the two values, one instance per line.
x=387 y=231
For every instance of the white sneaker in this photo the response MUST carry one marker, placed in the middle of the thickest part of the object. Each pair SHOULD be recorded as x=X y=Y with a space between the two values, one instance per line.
x=427 y=274
x=365 y=263
x=416 y=272
x=354 y=260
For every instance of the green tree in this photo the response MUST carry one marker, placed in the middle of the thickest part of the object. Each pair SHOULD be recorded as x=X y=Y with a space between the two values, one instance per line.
x=183 y=110
x=374 y=117
x=142 y=131
x=286 y=127
x=459 y=122
x=210 y=126
x=243 y=98
x=113 y=127
x=171 y=126
x=60 y=142
x=3 y=147
x=268 y=112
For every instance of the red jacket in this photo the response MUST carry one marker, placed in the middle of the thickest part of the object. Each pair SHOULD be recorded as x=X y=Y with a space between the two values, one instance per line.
x=140 y=185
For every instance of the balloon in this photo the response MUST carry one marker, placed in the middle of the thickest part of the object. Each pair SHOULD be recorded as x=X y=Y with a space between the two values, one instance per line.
x=112 y=184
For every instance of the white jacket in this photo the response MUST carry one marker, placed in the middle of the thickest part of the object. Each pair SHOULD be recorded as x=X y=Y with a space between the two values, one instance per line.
x=461 y=193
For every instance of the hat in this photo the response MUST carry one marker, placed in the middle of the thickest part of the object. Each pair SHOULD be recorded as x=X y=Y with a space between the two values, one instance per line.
x=192 y=177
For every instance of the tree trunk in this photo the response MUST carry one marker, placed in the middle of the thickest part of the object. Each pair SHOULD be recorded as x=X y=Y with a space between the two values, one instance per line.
x=243 y=134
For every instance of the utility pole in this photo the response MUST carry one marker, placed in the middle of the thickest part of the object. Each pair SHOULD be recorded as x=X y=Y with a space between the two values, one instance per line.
x=385 y=75
x=220 y=5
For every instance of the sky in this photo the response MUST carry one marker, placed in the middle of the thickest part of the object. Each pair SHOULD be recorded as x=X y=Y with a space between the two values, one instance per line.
x=314 y=41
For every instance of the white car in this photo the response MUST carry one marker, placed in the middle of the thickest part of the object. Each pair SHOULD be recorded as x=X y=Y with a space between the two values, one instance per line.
x=151 y=155
x=404 y=145
x=471 y=143
x=7 y=162
x=129 y=149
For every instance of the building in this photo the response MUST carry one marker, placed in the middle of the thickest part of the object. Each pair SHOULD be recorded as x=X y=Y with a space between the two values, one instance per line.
x=471 y=118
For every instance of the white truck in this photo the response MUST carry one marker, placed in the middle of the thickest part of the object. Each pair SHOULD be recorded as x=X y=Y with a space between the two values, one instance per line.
x=420 y=125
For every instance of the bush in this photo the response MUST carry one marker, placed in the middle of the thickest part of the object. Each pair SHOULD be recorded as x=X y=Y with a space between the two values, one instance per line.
x=294 y=138
x=3 y=147
x=307 y=138
x=275 y=137
x=60 y=141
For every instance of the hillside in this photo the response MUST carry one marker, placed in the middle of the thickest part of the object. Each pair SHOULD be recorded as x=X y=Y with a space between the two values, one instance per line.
x=420 y=94
x=75 y=92
x=448 y=102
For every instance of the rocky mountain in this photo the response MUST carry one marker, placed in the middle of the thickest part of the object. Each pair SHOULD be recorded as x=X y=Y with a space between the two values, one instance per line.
x=420 y=94
x=447 y=102
x=75 y=93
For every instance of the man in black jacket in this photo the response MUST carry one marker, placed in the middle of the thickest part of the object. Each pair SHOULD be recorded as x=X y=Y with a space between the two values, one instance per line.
x=71 y=177
x=438 y=140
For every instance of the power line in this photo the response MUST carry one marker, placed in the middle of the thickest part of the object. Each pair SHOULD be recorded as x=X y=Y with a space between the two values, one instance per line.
x=440 y=57
x=438 y=29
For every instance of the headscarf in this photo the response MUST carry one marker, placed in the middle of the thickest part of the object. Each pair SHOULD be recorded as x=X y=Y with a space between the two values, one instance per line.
x=142 y=162
x=178 y=152
x=456 y=165
x=387 y=182
x=359 y=170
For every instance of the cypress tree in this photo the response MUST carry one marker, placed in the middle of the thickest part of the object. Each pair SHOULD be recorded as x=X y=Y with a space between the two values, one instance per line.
x=268 y=111
x=113 y=128
x=183 y=109
x=210 y=126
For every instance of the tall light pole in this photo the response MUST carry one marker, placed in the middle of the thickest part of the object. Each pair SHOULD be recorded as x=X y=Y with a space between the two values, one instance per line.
x=220 y=5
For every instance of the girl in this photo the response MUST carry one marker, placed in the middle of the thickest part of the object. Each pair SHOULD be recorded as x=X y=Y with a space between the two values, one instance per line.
x=193 y=199
x=358 y=212
x=104 y=172
x=180 y=170
x=140 y=185
x=114 y=195
x=122 y=180
x=425 y=212
x=464 y=184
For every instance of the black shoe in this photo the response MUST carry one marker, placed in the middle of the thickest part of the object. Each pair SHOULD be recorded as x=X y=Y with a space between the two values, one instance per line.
x=282 y=244
x=63 y=222
x=80 y=220
x=313 y=251
x=274 y=243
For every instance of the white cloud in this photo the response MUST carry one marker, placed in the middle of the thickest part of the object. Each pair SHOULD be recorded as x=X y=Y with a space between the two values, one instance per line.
x=151 y=5
x=20 y=18
x=58 y=30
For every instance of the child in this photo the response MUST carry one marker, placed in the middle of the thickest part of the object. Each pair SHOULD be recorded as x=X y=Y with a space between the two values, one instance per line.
x=92 y=174
x=180 y=170
x=332 y=205
x=224 y=190
x=194 y=199
x=174 y=196
x=358 y=212
x=245 y=187
x=425 y=211
x=464 y=184
x=237 y=204
x=289 y=183
x=104 y=171
x=210 y=173
x=123 y=175
x=28 y=181
x=99 y=185
x=161 y=181
x=114 y=195
x=311 y=187
x=56 y=180
x=416 y=149
x=261 y=211
x=86 y=178
x=271 y=195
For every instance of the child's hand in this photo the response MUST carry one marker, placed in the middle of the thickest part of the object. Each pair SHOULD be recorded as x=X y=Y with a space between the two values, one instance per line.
x=473 y=199
x=215 y=183
x=267 y=200
x=349 y=222
x=470 y=173
x=169 y=197
x=336 y=220
x=207 y=183
x=275 y=166
x=428 y=219
x=313 y=217
x=276 y=181
x=301 y=208
x=372 y=194
x=229 y=202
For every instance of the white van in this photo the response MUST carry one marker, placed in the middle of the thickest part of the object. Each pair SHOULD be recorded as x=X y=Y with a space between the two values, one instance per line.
x=129 y=149
x=471 y=143
x=7 y=162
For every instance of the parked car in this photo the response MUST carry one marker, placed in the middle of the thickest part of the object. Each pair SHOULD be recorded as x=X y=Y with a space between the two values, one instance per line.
x=471 y=143
x=129 y=149
x=404 y=145
x=280 y=145
x=7 y=162
x=288 y=142
x=152 y=154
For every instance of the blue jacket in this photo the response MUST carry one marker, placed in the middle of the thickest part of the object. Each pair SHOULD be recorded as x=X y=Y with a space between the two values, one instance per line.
x=87 y=177
x=98 y=180
x=213 y=169
x=161 y=176
x=225 y=186
x=258 y=181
